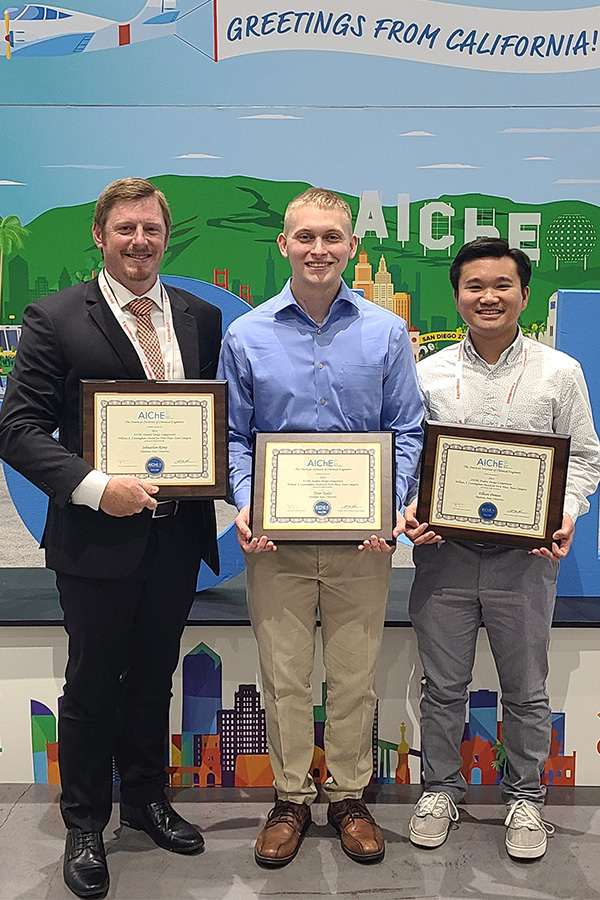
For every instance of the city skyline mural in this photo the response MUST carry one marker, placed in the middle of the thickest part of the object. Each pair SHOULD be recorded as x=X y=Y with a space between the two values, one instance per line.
x=227 y=747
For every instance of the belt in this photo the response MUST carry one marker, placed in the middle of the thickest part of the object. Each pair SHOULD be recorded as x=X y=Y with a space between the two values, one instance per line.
x=165 y=508
x=482 y=545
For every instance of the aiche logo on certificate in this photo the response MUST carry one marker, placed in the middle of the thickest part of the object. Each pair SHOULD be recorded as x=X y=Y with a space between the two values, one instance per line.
x=154 y=465
x=488 y=511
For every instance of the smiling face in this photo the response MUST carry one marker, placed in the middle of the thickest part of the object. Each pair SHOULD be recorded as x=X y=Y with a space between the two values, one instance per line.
x=490 y=299
x=318 y=243
x=133 y=243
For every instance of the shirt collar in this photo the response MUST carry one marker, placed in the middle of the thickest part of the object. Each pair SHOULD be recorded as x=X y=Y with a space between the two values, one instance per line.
x=286 y=300
x=124 y=296
x=507 y=355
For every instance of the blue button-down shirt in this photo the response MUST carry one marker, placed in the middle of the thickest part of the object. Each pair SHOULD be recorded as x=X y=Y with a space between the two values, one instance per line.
x=354 y=372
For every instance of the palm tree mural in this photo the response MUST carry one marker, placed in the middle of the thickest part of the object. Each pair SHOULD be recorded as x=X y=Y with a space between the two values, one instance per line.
x=11 y=238
x=499 y=764
x=534 y=330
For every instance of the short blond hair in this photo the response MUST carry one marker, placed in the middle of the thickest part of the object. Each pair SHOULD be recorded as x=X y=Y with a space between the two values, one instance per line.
x=129 y=189
x=321 y=198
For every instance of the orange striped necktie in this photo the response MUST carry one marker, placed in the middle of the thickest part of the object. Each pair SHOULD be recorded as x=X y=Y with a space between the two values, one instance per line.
x=147 y=336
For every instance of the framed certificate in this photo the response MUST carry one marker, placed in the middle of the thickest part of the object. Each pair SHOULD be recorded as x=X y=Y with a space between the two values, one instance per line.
x=493 y=485
x=172 y=433
x=323 y=486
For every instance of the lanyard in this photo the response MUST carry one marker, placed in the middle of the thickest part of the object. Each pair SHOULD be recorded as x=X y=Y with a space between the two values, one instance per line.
x=169 y=352
x=459 y=396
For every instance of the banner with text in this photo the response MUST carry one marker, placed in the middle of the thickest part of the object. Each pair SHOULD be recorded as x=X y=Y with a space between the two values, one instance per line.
x=420 y=30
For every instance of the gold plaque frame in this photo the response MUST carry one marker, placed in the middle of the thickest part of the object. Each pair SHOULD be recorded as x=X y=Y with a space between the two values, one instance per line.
x=323 y=486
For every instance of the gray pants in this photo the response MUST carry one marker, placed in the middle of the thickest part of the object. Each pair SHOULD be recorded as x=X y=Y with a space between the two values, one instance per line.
x=457 y=587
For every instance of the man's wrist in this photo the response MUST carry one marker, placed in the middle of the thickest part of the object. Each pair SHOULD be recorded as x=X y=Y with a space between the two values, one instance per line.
x=241 y=500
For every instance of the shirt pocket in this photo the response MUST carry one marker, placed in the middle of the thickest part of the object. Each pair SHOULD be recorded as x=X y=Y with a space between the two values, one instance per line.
x=362 y=393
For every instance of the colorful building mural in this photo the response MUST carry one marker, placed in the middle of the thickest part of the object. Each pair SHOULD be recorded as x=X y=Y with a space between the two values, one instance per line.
x=220 y=747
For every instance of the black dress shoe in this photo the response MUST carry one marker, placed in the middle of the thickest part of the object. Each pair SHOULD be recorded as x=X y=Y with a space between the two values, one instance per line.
x=164 y=825
x=84 y=867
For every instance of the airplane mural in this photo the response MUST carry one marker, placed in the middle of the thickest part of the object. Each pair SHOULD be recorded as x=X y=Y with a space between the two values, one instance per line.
x=34 y=29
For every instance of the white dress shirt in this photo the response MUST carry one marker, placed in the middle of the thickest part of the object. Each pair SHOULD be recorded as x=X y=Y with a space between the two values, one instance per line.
x=89 y=491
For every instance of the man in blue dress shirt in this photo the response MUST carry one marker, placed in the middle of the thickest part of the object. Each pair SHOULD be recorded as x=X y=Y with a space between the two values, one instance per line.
x=318 y=357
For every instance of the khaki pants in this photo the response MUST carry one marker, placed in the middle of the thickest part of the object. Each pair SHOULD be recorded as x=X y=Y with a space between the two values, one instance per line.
x=286 y=589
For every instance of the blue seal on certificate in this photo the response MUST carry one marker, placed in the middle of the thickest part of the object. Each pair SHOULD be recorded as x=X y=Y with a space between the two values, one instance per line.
x=487 y=511
x=155 y=465
x=322 y=508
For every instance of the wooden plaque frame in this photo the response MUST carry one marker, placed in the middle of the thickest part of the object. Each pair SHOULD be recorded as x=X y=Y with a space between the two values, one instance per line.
x=167 y=394
x=319 y=527
x=492 y=446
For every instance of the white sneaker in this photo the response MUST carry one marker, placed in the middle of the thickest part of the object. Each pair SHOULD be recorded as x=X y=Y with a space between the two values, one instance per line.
x=431 y=819
x=526 y=833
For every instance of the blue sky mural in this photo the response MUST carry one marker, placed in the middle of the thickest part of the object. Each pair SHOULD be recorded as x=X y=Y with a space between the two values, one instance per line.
x=353 y=121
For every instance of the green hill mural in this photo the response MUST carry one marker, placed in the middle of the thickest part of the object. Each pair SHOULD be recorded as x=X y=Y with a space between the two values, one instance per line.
x=229 y=226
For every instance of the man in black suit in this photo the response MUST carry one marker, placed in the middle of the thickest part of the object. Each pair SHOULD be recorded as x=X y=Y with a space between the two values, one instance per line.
x=126 y=562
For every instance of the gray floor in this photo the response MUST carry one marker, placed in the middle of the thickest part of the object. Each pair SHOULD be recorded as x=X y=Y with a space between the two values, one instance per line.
x=472 y=863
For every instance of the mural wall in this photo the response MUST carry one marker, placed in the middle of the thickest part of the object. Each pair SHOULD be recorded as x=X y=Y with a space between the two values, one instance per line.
x=438 y=122
x=218 y=737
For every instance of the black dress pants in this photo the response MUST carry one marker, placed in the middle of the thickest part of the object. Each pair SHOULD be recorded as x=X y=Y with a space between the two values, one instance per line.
x=124 y=638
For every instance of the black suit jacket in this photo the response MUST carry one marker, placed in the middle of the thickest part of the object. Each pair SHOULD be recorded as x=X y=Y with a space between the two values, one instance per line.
x=66 y=337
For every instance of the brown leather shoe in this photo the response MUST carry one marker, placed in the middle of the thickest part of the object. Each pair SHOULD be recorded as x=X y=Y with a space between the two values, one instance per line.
x=280 y=837
x=361 y=836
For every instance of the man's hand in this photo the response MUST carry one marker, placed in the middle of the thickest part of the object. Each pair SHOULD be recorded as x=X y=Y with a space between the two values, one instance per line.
x=125 y=495
x=416 y=531
x=248 y=543
x=562 y=540
x=379 y=545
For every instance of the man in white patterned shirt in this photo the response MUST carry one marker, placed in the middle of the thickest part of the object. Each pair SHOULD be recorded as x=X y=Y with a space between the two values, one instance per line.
x=506 y=379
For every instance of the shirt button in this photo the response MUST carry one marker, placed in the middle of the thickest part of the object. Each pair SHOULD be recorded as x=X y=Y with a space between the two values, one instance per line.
x=322 y=401
x=320 y=366
x=319 y=331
